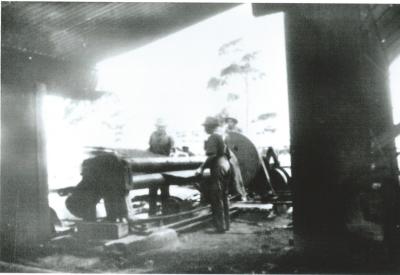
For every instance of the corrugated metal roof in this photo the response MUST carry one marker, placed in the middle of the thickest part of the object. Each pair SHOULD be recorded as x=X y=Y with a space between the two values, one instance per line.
x=91 y=31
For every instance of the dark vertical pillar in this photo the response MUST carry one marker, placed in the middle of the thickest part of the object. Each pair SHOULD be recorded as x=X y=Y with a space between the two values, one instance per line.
x=24 y=211
x=153 y=193
x=332 y=96
x=376 y=82
x=164 y=189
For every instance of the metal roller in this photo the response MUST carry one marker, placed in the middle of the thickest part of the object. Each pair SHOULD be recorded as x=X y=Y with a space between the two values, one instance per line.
x=163 y=164
x=247 y=155
x=154 y=180
x=157 y=179
x=144 y=161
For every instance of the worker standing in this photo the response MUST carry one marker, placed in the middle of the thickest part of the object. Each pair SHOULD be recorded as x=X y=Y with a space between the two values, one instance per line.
x=231 y=123
x=217 y=161
x=236 y=188
x=160 y=142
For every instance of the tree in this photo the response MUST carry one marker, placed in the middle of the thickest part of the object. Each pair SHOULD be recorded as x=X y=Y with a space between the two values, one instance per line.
x=241 y=67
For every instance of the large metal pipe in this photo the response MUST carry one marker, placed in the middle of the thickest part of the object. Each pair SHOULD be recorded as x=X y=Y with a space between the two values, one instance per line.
x=170 y=178
x=156 y=179
x=163 y=164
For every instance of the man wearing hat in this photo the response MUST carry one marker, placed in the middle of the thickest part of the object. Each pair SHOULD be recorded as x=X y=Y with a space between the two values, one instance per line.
x=160 y=142
x=232 y=125
x=237 y=188
x=217 y=161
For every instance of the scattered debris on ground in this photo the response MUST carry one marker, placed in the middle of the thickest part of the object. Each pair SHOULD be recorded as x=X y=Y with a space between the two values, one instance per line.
x=260 y=241
x=253 y=244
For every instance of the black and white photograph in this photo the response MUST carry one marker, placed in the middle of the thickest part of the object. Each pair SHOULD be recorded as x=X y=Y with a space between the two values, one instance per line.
x=200 y=137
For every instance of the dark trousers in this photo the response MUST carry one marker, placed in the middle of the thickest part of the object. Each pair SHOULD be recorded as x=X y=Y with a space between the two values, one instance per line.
x=82 y=204
x=218 y=193
x=236 y=187
x=115 y=205
x=153 y=198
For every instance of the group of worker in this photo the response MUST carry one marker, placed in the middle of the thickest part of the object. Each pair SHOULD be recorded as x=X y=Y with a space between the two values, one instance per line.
x=224 y=169
x=163 y=144
x=99 y=176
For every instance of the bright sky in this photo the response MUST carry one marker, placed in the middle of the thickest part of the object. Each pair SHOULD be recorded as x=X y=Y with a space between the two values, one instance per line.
x=394 y=73
x=168 y=78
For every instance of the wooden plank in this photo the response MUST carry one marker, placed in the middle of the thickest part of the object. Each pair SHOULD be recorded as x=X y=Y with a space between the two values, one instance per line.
x=102 y=230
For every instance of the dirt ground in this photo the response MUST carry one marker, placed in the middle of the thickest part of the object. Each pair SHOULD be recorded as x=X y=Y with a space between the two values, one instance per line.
x=257 y=243
x=253 y=245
